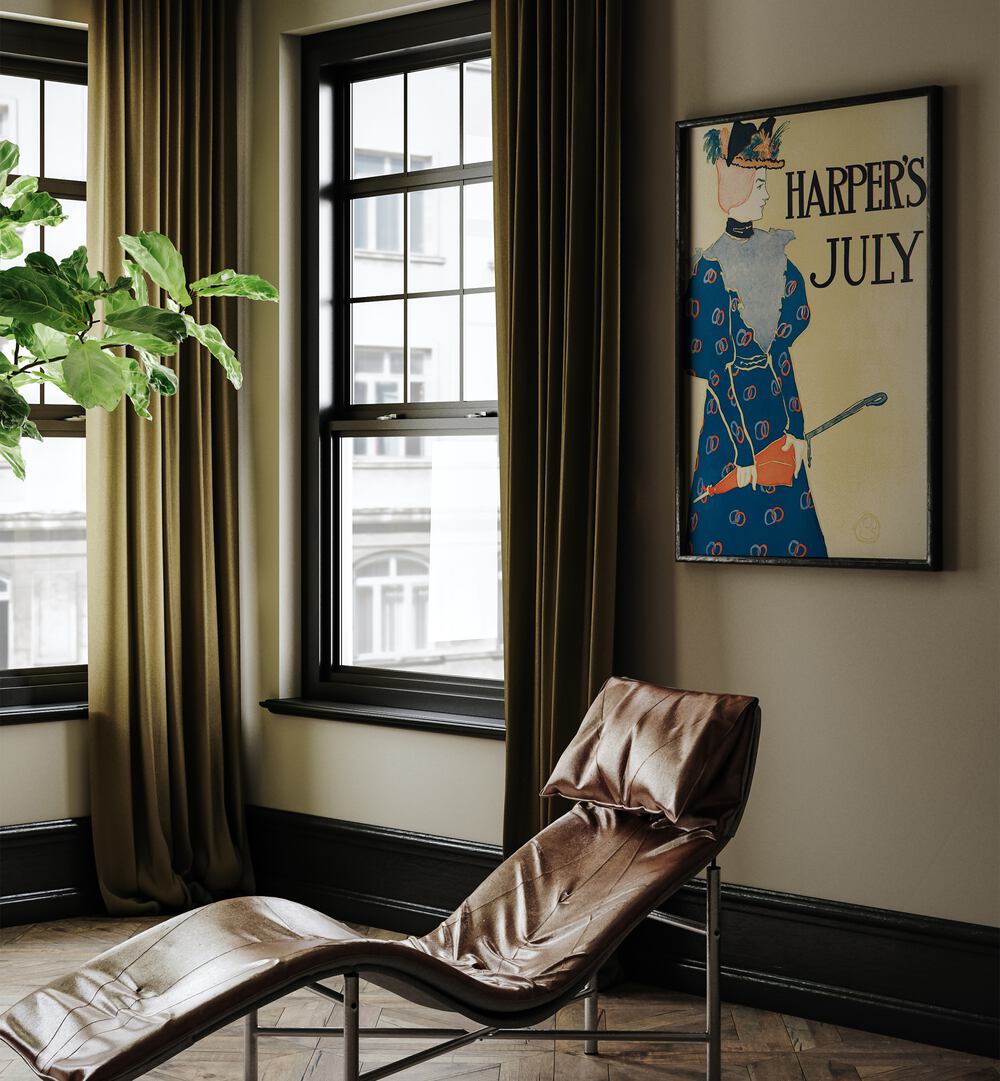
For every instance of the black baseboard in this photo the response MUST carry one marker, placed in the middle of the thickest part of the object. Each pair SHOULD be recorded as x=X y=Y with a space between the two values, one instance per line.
x=47 y=872
x=930 y=980
x=379 y=877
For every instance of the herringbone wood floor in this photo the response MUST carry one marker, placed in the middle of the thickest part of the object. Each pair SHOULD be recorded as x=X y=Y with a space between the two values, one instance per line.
x=757 y=1046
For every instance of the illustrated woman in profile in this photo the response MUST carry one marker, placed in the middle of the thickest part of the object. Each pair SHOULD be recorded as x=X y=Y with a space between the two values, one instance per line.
x=746 y=305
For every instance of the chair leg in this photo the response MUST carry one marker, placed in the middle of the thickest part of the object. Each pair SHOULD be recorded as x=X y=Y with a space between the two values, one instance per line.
x=250 y=1047
x=590 y=1014
x=351 y=1011
x=713 y=1005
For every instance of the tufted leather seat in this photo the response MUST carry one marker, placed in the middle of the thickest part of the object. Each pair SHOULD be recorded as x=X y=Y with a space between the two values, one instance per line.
x=660 y=778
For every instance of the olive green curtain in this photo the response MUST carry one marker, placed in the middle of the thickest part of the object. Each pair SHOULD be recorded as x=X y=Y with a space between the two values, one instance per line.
x=556 y=108
x=164 y=666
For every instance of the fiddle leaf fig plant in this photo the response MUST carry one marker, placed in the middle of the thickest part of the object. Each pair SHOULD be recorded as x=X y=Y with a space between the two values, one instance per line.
x=96 y=340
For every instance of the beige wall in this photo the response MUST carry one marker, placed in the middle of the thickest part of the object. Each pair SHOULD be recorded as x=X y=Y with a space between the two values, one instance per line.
x=878 y=774
x=43 y=772
x=43 y=767
x=391 y=777
x=877 y=781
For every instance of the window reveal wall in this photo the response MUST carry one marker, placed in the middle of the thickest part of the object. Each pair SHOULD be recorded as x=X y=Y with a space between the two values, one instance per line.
x=435 y=782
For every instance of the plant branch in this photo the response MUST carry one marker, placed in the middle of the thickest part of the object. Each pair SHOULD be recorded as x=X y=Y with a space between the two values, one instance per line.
x=82 y=335
x=34 y=364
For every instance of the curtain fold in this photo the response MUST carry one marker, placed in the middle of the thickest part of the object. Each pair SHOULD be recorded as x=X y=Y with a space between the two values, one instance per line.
x=557 y=179
x=163 y=590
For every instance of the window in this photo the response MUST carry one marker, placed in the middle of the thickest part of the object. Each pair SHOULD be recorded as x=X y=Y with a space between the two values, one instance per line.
x=402 y=537
x=43 y=545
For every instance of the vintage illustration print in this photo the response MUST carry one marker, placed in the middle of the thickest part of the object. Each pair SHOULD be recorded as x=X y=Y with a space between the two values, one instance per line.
x=806 y=431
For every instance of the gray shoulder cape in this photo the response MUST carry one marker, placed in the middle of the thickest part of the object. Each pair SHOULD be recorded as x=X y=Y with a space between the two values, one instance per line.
x=754 y=269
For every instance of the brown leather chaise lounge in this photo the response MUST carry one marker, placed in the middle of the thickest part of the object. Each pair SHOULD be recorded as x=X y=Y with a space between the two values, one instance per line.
x=660 y=778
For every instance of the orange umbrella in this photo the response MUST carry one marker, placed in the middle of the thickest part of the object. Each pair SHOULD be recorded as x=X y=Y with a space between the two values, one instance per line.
x=775 y=465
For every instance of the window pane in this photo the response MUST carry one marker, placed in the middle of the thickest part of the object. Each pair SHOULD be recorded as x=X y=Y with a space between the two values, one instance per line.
x=434 y=240
x=434 y=336
x=65 y=131
x=378 y=245
x=432 y=116
x=480 y=347
x=377 y=129
x=43 y=557
x=54 y=396
x=63 y=239
x=377 y=332
x=420 y=555
x=19 y=120
x=478 y=111
x=480 y=268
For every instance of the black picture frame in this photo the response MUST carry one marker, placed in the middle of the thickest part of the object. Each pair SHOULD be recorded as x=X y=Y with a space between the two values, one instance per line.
x=685 y=462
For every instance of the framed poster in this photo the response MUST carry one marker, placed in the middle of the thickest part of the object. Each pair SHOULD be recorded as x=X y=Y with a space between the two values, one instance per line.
x=808 y=325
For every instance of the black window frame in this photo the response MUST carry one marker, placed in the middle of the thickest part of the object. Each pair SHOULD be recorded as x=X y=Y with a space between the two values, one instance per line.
x=50 y=54
x=330 y=62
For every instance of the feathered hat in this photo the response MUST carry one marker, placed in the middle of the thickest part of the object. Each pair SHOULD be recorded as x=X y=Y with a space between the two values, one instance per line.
x=746 y=146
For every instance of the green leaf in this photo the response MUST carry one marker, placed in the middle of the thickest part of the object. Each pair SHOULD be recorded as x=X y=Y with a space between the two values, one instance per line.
x=147 y=320
x=14 y=457
x=212 y=340
x=38 y=207
x=14 y=409
x=21 y=186
x=73 y=270
x=11 y=244
x=93 y=377
x=42 y=262
x=115 y=303
x=227 y=283
x=5 y=364
x=148 y=342
x=40 y=298
x=162 y=378
x=29 y=429
x=22 y=333
x=9 y=157
x=137 y=389
x=161 y=261
x=41 y=341
x=98 y=283
x=139 y=287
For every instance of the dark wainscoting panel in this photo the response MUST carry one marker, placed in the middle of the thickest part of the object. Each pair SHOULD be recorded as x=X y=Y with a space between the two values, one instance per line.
x=388 y=878
x=47 y=872
x=928 y=980
x=922 y=979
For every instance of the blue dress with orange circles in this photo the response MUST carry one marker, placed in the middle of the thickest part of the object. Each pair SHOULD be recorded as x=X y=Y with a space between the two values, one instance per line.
x=752 y=399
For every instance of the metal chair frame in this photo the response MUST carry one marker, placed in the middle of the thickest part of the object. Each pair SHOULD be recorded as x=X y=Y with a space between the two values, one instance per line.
x=454 y=1038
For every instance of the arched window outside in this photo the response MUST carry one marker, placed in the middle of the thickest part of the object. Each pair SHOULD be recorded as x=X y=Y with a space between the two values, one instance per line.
x=390 y=606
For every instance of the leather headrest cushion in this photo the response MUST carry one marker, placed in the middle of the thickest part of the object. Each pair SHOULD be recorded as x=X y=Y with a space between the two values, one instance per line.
x=649 y=749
